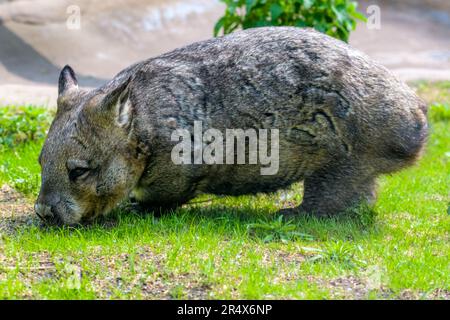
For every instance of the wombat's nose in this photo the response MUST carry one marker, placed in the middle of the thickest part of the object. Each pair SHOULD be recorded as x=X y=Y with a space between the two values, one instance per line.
x=43 y=211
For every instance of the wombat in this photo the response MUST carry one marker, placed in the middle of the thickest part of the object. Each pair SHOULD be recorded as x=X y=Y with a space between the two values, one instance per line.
x=341 y=120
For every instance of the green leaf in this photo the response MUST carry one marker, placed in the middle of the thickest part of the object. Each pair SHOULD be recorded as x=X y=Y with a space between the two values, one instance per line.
x=275 y=11
x=340 y=17
x=218 y=26
x=358 y=15
x=333 y=17
x=307 y=4
x=301 y=23
x=249 y=4
x=261 y=23
x=231 y=8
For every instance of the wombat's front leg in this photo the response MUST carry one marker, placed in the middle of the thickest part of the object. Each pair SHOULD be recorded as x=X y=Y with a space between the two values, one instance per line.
x=335 y=189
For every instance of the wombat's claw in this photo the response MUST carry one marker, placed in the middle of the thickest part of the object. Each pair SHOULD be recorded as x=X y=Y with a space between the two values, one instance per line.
x=290 y=213
x=141 y=209
x=135 y=207
x=293 y=213
x=156 y=210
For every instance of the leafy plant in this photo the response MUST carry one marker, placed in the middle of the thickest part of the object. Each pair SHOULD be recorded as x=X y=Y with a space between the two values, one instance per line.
x=178 y=292
x=20 y=124
x=20 y=169
x=22 y=130
x=277 y=230
x=336 y=18
x=338 y=252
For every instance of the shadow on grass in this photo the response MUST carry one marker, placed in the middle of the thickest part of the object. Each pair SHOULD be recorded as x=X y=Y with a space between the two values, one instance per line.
x=262 y=224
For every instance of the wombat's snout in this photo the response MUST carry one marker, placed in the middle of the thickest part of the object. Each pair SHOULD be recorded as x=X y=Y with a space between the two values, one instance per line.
x=46 y=213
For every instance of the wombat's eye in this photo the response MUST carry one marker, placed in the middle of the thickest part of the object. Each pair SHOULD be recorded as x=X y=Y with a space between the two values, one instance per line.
x=77 y=168
x=78 y=173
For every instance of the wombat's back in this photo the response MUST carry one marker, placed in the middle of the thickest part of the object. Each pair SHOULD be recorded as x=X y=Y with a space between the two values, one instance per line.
x=297 y=80
x=319 y=91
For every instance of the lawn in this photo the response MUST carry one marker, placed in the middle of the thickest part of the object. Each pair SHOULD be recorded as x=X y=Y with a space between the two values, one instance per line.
x=230 y=247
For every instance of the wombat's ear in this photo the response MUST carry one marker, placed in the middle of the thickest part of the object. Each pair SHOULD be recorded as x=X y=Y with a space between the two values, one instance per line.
x=118 y=104
x=67 y=80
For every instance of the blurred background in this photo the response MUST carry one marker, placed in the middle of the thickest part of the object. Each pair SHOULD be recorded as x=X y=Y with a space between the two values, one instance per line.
x=413 y=39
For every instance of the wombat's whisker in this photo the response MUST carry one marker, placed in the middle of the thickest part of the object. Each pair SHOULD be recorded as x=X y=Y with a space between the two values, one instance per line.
x=40 y=217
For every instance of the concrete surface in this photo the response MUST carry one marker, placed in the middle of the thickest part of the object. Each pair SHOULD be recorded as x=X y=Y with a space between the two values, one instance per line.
x=35 y=42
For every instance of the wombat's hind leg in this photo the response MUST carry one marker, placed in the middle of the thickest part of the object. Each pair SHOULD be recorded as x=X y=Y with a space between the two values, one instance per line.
x=336 y=189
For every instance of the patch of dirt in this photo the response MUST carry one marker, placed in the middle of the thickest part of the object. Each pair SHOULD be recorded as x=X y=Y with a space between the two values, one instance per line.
x=351 y=287
x=440 y=294
x=15 y=210
x=148 y=277
x=41 y=268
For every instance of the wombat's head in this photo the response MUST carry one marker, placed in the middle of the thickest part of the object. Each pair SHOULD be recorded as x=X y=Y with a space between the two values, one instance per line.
x=90 y=160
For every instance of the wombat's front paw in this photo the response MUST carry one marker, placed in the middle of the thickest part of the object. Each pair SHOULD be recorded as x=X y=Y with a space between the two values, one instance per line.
x=289 y=213
x=145 y=208
x=292 y=213
x=134 y=207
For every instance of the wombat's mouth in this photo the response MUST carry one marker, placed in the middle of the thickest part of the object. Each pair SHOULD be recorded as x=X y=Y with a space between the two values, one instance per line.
x=87 y=218
x=101 y=210
x=90 y=213
x=57 y=222
x=50 y=221
x=72 y=214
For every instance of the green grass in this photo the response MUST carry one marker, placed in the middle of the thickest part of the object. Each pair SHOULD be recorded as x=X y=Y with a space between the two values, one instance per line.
x=19 y=124
x=225 y=247
x=22 y=130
